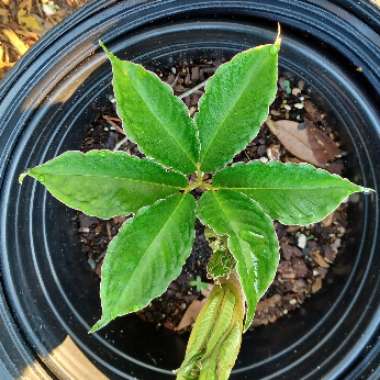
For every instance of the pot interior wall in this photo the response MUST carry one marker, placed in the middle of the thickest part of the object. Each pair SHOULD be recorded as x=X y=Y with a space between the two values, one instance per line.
x=60 y=293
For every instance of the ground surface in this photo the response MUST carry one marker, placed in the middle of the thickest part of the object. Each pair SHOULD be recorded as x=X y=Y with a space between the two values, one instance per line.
x=23 y=22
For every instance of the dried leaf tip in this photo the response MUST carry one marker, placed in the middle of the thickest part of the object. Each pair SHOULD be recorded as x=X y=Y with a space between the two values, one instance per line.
x=278 y=39
x=21 y=177
x=367 y=190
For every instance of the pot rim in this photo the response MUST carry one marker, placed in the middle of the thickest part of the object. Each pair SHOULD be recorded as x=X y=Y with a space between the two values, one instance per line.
x=92 y=9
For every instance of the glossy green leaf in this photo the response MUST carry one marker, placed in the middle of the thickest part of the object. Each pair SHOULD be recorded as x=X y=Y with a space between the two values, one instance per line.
x=289 y=193
x=156 y=120
x=146 y=256
x=236 y=103
x=216 y=336
x=252 y=240
x=106 y=184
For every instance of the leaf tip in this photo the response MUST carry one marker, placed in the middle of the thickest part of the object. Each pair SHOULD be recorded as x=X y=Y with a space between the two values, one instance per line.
x=99 y=325
x=249 y=315
x=22 y=176
x=367 y=190
x=109 y=54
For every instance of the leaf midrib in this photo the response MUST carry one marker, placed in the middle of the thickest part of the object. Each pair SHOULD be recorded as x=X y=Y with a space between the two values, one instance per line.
x=226 y=214
x=127 y=179
x=281 y=188
x=246 y=269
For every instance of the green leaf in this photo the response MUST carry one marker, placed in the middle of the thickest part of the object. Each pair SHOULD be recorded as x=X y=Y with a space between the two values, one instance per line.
x=106 y=184
x=221 y=263
x=235 y=104
x=251 y=240
x=146 y=256
x=153 y=117
x=289 y=193
x=216 y=337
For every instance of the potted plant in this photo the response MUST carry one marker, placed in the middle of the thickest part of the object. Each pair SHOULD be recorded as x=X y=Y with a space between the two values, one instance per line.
x=63 y=288
x=186 y=156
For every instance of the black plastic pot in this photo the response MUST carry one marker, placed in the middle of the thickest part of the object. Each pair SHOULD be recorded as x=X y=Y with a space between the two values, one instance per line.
x=47 y=299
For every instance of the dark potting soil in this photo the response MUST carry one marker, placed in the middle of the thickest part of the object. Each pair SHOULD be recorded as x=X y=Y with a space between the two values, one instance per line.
x=307 y=253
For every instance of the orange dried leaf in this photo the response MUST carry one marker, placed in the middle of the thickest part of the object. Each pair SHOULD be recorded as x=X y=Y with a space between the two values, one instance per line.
x=307 y=143
x=191 y=314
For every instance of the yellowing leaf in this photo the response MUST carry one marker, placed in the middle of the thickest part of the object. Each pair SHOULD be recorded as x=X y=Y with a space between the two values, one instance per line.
x=216 y=337
x=15 y=40
x=30 y=22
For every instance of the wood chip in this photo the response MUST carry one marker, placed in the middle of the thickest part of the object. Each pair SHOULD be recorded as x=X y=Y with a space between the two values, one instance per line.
x=268 y=303
x=289 y=251
x=327 y=222
x=317 y=285
x=273 y=152
x=317 y=257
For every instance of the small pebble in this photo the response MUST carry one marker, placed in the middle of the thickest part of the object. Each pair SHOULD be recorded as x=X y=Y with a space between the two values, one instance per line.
x=296 y=91
x=301 y=241
x=91 y=263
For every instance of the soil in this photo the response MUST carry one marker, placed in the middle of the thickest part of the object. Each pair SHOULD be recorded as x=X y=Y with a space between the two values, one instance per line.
x=307 y=253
